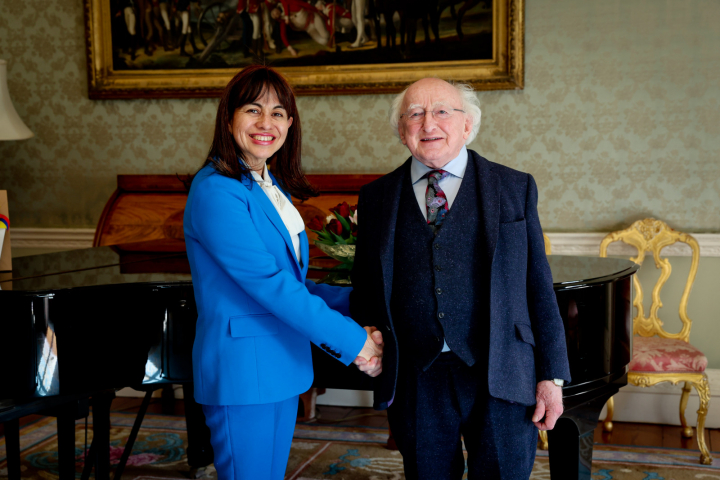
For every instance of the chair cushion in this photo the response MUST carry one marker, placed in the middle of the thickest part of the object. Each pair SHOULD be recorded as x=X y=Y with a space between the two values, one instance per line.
x=655 y=354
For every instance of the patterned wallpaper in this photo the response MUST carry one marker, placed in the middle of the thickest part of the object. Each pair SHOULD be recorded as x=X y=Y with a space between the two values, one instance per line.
x=620 y=118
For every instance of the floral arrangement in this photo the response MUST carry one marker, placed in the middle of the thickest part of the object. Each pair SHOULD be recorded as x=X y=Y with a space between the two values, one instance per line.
x=337 y=235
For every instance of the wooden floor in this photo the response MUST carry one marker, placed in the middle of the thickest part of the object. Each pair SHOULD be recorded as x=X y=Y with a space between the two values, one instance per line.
x=624 y=433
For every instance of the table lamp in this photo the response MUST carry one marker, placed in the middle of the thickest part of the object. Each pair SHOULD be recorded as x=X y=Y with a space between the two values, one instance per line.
x=11 y=128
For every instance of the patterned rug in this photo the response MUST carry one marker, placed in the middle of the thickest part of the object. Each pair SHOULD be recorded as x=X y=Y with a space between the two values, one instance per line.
x=337 y=452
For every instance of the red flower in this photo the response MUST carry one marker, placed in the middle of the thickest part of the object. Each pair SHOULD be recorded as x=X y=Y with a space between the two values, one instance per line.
x=335 y=226
x=343 y=209
x=316 y=223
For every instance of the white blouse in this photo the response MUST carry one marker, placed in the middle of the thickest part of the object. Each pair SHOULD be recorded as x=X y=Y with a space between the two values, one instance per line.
x=287 y=211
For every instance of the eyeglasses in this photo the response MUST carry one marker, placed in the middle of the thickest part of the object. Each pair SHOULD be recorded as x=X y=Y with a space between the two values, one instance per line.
x=417 y=115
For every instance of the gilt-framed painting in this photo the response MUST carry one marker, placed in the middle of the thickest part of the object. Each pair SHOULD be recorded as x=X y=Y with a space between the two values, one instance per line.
x=191 y=48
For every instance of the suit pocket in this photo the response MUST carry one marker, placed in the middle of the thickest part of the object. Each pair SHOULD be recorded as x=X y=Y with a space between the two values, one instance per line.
x=253 y=325
x=524 y=333
x=513 y=231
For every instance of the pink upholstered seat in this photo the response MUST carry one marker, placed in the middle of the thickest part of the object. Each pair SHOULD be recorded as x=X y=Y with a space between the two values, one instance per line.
x=655 y=354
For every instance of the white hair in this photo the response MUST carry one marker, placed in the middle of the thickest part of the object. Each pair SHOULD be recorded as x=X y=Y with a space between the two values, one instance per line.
x=470 y=104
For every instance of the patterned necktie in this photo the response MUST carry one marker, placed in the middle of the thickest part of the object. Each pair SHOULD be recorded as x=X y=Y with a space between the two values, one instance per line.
x=435 y=198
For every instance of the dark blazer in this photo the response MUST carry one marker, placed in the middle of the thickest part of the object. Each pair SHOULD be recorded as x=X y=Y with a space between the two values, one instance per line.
x=527 y=337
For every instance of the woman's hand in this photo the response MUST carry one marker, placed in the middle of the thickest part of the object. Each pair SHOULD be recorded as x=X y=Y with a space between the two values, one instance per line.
x=369 y=360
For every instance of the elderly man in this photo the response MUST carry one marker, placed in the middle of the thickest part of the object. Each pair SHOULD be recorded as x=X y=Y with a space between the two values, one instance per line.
x=451 y=266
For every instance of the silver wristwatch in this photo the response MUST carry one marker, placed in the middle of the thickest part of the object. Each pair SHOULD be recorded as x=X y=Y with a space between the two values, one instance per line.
x=559 y=382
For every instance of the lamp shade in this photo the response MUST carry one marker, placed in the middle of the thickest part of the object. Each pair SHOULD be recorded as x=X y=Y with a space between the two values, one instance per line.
x=11 y=126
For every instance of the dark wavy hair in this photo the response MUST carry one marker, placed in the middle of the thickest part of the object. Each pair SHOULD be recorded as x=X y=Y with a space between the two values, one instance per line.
x=246 y=87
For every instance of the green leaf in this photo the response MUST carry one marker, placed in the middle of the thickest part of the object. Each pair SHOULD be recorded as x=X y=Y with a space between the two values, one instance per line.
x=325 y=237
x=338 y=238
x=343 y=222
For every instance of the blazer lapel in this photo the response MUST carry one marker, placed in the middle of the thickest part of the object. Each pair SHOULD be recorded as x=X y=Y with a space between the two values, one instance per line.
x=257 y=192
x=304 y=253
x=489 y=194
x=387 y=230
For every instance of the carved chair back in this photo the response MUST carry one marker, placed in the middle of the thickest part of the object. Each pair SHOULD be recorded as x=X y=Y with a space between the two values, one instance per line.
x=548 y=247
x=650 y=235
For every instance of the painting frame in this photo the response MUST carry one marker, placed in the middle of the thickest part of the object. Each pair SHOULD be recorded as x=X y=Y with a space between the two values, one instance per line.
x=505 y=71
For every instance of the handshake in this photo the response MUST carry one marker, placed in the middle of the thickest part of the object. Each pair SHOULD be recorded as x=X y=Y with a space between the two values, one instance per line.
x=369 y=360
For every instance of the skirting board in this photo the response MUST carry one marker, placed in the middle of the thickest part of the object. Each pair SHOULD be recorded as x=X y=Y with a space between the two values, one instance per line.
x=132 y=393
x=589 y=244
x=562 y=243
x=56 y=238
x=658 y=404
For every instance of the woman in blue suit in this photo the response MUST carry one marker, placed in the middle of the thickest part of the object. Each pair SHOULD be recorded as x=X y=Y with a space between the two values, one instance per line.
x=257 y=314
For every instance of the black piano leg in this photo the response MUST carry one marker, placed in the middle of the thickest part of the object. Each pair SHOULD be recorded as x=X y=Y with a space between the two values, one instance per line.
x=571 y=441
x=133 y=435
x=199 y=450
x=167 y=400
x=66 y=440
x=101 y=434
x=12 y=448
x=570 y=452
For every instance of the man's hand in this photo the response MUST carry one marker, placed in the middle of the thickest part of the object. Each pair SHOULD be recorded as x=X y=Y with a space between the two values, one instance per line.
x=292 y=51
x=549 y=405
x=369 y=360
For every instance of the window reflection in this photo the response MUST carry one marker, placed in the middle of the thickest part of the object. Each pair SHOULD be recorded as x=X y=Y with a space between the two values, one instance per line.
x=153 y=367
x=46 y=378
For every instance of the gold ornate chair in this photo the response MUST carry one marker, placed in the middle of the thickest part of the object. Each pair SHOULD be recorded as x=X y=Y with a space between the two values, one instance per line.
x=660 y=356
x=542 y=434
x=548 y=247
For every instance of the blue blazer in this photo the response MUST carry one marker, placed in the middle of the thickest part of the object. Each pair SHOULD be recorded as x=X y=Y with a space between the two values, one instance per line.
x=527 y=336
x=257 y=314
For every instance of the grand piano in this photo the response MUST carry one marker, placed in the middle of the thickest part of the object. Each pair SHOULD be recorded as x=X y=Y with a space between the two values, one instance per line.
x=81 y=324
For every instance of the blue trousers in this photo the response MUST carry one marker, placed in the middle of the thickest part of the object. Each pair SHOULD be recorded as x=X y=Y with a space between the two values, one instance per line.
x=251 y=442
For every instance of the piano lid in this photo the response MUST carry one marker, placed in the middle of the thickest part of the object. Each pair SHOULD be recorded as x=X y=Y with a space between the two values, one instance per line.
x=145 y=262
x=154 y=262
x=575 y=271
